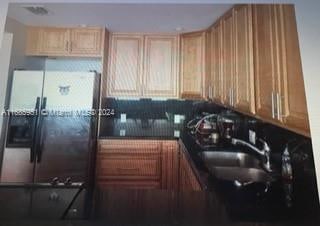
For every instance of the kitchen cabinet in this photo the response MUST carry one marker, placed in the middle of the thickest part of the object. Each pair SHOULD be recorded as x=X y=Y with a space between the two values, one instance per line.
x=144 y=164
x=125 y=65
x=86 y=41
x=192 y=65
x=160 y=66
x=228 y=58
x=280 y=94
x=54 y=41
x=187 y=178
x=59 y=41
x=129 y=164
x=216 y=63
x=292 y=98
x=243 y=87
x=143 y=66
x=170 y=165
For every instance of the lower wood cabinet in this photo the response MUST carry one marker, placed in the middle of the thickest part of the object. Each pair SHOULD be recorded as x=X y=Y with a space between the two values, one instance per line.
x=144 y=164
x=187 y=178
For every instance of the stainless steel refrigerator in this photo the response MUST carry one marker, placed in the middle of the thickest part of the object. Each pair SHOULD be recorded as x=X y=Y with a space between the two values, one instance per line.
x=51 y=129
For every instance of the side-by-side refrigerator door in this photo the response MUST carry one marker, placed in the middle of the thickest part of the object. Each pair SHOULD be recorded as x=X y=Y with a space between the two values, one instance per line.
x=63 y=150
x=18 y=157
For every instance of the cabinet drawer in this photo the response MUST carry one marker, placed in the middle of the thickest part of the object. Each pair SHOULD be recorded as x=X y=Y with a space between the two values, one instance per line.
x=128 y=166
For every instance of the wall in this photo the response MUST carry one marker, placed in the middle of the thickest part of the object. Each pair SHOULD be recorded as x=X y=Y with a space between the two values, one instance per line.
x=78 y=64
x=5 y=52
x=308 y=22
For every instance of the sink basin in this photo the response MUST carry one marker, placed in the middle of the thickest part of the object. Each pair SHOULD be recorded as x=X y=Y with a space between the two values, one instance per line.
x=235 y=166
x=232 y=159
x=242 y=175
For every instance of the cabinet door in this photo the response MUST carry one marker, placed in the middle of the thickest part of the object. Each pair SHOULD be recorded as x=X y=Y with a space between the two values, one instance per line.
x=86 y=41
x=292 y=100
x=160 y=69
x=244 y=74
x=265 y=60
x=228 y=61
x=54 y=41
x=129 y=164
x=33 y=41
x=216 y=76
x=125 y=68
x=170 y=165
x=187 y=179
x=192 y=65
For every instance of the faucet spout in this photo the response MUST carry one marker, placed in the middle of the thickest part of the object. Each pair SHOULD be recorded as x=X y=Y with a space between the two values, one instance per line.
x=235 y=141
x=265 y=152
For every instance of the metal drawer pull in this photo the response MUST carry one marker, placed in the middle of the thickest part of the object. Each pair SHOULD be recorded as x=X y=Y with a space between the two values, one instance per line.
x=128 y=169
x=272 y=105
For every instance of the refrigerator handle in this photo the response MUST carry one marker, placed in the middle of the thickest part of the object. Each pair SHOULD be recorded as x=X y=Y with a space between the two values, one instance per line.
x=39 y=138
x=34 y=129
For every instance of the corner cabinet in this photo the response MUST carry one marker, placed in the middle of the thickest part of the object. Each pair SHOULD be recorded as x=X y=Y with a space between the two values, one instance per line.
x=69 y=42
x=192 y=65
x=280 y=93
x=143 y=66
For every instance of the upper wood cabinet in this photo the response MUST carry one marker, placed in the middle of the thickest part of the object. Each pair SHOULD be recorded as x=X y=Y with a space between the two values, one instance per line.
x=125 y=65
x=243 y=94
x=86 y=41
x=160 y=69
x=192 y=65
x=280 y=94
x=54 y=41
x=216 y=63
x=227 y=58
x=143 y=66
x=265 y=62
x=292 y=107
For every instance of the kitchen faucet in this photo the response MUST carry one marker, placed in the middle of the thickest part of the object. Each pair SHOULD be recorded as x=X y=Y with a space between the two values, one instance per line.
x=265 y=151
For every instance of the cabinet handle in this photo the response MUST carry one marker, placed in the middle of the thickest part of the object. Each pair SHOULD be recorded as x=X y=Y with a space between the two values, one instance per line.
x=67 y=45
x=128 y=169
x=272 y=105
x=212 y=92
x=230 y=96
x=279 y=107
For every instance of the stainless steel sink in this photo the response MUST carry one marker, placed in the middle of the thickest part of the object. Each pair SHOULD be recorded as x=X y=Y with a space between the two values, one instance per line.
x=242 y=175
x=232 y=159
x=235 y=166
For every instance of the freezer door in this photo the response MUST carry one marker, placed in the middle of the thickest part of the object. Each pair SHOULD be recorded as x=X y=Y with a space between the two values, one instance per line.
x=26 y=88
x=68 y=91
x=65 y=142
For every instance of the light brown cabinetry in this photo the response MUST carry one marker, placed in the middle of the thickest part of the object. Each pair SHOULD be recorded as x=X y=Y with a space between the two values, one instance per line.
x=125 y=65
x=192 y=65
x=243 y=87
x=86 y=41
x=144 y=164
x=160 y=69
x=280 y=94
x=143 y=65
x=216 y=63
x=187 y=179
x=54 y=41
x=129 y=164
x=227 y=58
